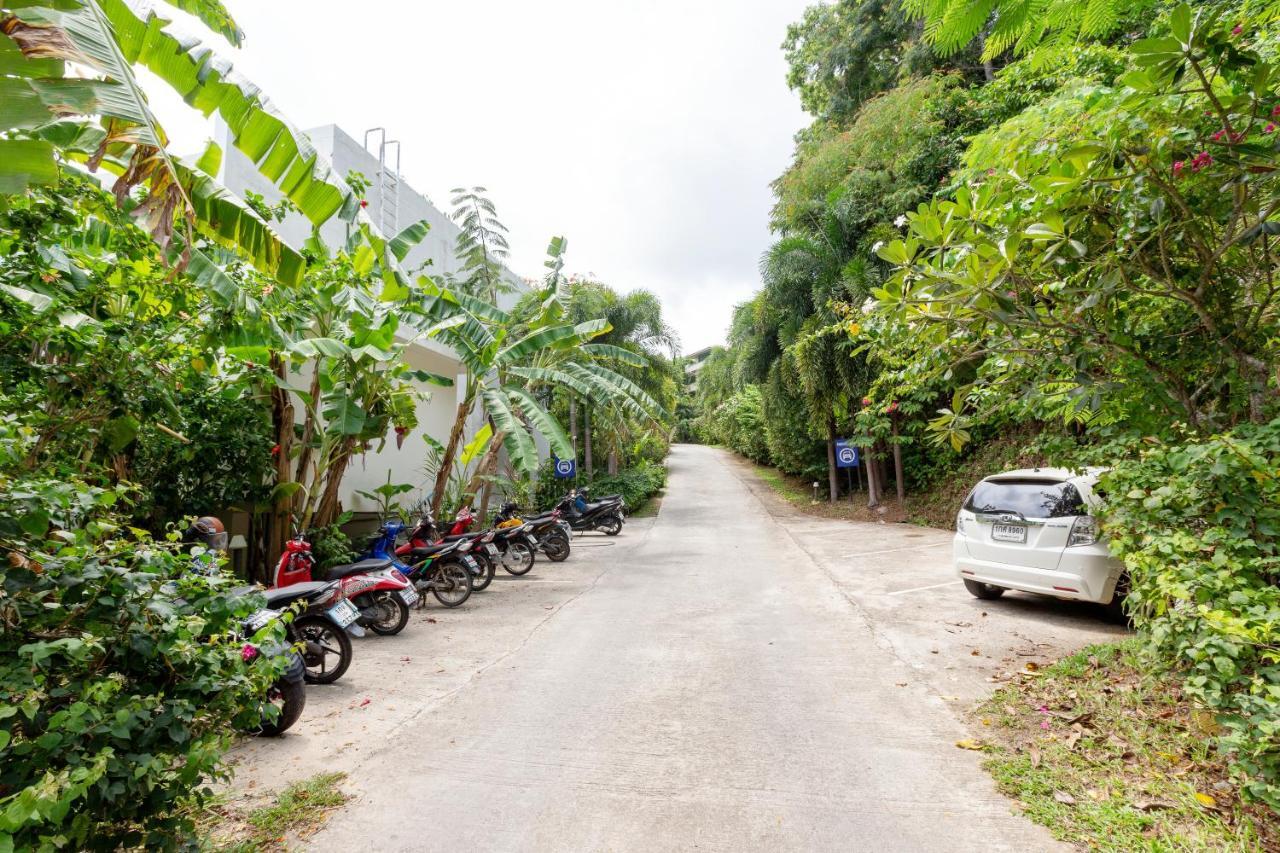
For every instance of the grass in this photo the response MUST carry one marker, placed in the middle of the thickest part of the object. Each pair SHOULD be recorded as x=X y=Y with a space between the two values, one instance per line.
x=649 y=508
x=1111 y=756
x=299 y=810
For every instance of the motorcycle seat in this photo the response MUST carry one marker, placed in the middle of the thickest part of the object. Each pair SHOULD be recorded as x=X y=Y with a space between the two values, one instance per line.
x=537 y=519
x=425 y=551
x=359 y=568
x=285 y=595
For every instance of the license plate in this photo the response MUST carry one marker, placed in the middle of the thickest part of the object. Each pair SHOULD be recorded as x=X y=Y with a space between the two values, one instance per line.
x=409 y=596
x=471 y=562
x=533 y=540
x=492 y=549
x=344 y=613
x=1008 y=533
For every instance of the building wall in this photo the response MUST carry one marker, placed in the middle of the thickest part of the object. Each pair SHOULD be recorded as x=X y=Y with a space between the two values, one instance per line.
x=434 y=255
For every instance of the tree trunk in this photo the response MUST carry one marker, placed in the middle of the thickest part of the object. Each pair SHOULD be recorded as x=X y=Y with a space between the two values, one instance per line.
x=833 y=473
x=897 y=465
x=586 y=438
x=573 y=424
x=873 y=487
x=613 y=463
x=330 y=507
x=450 y=451
x=308 y=429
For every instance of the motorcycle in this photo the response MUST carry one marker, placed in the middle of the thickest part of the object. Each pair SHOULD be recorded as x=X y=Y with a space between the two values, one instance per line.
x=321 y=626
x=546 y=528
x=604 y=515
x=445 y=571
x=514 y=546
x=483 y=549
x=288 y=693
x=379 y=590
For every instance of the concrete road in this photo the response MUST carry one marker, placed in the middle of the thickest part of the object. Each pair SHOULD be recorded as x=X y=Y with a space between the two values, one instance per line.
x=731 y=676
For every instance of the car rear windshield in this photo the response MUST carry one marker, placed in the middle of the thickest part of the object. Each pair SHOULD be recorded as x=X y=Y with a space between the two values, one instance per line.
x=1030 y=498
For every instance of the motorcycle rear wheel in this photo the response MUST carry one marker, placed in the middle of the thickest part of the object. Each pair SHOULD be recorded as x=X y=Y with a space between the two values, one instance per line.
x=290 y=697
x=518 y=559
x=610 y=525
x=556 y=547
x=323 y=641
x=452 y=584
x=480 y=580
x=397 y=614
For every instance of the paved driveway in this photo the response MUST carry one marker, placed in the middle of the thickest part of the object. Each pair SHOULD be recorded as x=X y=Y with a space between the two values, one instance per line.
x=730 y=676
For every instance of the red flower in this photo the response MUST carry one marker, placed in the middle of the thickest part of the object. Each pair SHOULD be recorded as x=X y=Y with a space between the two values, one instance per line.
x=893 y=407
x=1275 y=111
x=364 y=203
x=275 y=451
x=402 y=430
x=1270 y=128
x=1217 y=137
x=1198 y=162
x=1177 y=167
x=866 y=401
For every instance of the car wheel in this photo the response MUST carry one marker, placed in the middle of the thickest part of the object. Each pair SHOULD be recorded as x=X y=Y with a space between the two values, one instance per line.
x=985 y=591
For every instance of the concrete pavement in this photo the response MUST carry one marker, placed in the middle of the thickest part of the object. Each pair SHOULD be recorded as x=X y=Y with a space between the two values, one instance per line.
x=705 y=681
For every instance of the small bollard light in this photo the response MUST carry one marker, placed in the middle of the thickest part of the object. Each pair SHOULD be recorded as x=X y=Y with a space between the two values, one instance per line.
x=815 y=491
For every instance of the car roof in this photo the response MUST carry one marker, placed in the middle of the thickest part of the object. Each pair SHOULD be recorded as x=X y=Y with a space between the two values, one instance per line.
x=1048 y=475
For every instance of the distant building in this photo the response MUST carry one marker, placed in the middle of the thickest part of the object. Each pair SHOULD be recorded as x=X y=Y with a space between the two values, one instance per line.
x=692 y=364
x=393 y=205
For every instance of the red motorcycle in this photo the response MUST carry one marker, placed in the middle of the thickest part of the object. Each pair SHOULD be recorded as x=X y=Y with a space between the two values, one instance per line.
x=379 y=591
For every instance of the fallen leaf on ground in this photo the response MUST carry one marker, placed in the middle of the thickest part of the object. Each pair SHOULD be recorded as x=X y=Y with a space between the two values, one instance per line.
x=975 y=653
x=431 y=619
x=1032 y=666
x=969 y=743
x=1206 y=800
x=405 y=659
x=366 y=701
x=1151 y=805
x=1064 y=798
x=1035 y=756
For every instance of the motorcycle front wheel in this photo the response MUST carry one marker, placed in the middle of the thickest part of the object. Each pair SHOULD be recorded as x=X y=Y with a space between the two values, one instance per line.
x=482 y=577
x=518 y=559
x=452 y=584
x=393 y=614
x=326 y=648
x=290 y=697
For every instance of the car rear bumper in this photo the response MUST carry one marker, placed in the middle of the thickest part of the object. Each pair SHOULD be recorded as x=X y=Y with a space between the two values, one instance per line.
x=1084 y=573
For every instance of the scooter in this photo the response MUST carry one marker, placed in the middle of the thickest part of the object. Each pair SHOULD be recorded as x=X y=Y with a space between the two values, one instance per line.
x=547 y=528
x=446 y=571
x=321 y=627
x=380 y=592
x=288 y=693
x=514 y=546
x=604 y=515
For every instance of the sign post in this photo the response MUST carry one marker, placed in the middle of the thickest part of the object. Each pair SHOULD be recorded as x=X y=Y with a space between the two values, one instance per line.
x=846 y=454
x=565 y=469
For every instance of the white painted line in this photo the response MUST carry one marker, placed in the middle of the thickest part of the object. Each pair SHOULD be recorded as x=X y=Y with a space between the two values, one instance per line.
x=923 y=588
x=899 y=550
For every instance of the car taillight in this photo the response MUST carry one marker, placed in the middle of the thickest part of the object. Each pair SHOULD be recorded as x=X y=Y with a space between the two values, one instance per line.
x=1084 y=531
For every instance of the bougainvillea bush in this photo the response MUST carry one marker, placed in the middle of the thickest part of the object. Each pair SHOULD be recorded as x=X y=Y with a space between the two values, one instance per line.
x=122 y=681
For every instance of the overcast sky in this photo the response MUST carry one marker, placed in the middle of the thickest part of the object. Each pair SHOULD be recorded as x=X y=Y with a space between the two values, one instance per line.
x=646 y=132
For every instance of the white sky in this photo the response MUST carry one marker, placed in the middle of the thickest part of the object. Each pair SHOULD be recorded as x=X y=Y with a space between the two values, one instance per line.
x=644 y=132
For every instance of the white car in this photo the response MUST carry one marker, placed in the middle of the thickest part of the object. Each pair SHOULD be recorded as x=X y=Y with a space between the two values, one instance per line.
x=1032 y=530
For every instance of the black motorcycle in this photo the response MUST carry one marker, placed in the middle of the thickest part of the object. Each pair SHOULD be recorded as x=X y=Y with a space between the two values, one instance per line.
x=321 y=626
x=288 y=693
x=546 y=529
x=604 y=515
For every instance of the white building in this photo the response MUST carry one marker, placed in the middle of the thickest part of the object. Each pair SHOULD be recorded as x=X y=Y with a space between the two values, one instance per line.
x=393 y=205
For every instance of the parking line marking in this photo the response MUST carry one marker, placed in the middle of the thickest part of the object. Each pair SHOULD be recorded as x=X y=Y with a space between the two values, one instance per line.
x=923 y=588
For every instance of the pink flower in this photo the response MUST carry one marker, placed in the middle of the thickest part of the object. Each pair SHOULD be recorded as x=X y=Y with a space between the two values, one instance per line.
x=1270 y=128
x=1044 y=724
x=1198 y=162
x=866 y=401
x=1177 y=167
x=1217 y=137
x=248 y=652
x=1237 y=30
x=363 y=203
x=1275 y=111
x=893 y=407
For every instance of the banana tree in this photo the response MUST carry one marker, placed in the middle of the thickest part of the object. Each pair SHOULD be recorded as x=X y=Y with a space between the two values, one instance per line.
x=69 y=94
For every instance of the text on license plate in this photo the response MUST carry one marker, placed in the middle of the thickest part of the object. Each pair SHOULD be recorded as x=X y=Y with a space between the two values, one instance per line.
x=344 y=613
x=1008 y=533
x=492 y=549
x=409 y=596
x=471 y=562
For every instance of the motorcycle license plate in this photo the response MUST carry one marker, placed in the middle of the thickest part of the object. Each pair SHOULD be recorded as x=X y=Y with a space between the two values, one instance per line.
x=532 y=540
x=344 y=613
x=492 y=549
x=409 y=596
x=471 y=562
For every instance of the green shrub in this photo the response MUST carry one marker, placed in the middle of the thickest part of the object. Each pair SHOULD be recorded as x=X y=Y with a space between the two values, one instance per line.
x=1198 y=527
x=121 y=679
x=636 y=484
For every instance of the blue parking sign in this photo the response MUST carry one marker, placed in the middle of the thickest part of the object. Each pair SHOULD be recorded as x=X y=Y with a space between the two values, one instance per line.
x=846 y=454
x=565 y=468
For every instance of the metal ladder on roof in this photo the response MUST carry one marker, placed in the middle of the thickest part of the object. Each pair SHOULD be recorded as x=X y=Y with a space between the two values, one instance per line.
x=388 y=182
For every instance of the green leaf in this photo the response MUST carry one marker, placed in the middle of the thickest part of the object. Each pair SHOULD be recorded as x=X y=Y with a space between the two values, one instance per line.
x=625 y=356
x=542 y=421
x=25 y=163
x=403 y=243
x=518 y=444
x=477 y=444
x=214 y=16
x=38 y=302
x=210 y=161
x=119 y=433
x=344 y=415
